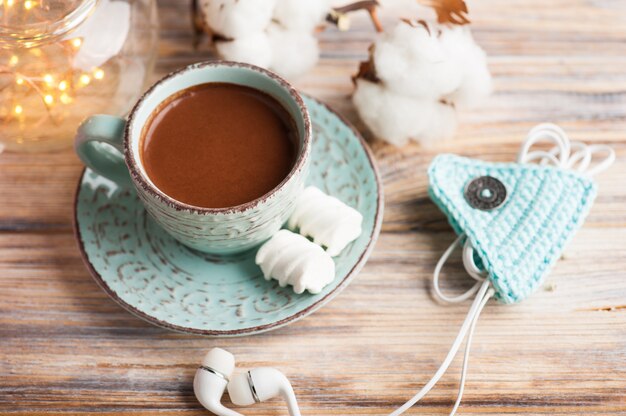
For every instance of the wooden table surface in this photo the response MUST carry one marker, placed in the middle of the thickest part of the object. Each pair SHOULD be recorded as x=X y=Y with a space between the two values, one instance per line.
x=66 y=348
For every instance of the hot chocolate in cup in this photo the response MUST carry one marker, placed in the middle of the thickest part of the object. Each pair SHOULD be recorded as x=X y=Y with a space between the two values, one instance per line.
x=198 y=219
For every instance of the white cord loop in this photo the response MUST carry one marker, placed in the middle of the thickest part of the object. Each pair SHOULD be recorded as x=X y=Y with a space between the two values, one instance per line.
x=565 y=154
x=484 y=294
x=470 y=267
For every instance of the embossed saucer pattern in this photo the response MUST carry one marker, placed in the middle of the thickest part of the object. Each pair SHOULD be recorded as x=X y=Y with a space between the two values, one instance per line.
x=158 y=279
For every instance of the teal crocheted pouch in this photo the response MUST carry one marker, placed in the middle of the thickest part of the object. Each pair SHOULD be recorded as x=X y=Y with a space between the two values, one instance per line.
x=517 y=217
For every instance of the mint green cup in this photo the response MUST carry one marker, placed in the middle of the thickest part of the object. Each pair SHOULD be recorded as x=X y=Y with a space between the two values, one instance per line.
x=110 y=146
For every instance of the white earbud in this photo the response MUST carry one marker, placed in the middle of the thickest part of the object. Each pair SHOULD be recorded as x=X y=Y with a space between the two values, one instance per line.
x=261 y=384
x=211 y=379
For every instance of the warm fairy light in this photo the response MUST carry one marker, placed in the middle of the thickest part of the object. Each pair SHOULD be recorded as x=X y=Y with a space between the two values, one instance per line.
x=10 y=3
x=65 y=99
x=45 y=83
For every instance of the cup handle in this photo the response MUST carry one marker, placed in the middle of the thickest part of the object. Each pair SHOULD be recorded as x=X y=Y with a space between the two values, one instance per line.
x=99 y=143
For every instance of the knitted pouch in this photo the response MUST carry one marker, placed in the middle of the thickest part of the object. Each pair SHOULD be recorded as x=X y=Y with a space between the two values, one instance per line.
x=518 y=217
x=513 y=221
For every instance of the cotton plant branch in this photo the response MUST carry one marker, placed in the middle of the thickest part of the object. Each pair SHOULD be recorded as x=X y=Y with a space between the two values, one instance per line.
x=339 y=15
x=452 y=12
x=276 y=34
x=419 y=75
x=197 y=23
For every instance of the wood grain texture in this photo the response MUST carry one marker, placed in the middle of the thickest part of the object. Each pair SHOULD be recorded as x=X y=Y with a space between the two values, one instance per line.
x=66 y=348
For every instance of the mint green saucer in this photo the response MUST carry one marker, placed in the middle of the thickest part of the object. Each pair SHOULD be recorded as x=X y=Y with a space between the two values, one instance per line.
x=156 y=278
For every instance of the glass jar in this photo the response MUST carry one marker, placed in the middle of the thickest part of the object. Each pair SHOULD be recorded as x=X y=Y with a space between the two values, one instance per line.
x=64 y=60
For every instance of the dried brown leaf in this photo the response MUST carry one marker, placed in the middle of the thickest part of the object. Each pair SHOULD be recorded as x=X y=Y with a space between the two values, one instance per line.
x=449 y=11
x=367 y=69
x=340 y=14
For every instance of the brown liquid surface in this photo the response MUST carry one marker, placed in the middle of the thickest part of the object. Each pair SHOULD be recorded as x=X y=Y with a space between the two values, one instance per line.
x=218 y=145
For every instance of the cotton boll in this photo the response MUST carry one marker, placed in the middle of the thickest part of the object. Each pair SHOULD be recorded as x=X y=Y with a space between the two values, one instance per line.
x=237 y=18
x=422 y=74
x=476 y=82
x=276 y=34
x=383 y=113
x=441 y=124
x=411 y=61
x=398 y=118
x=254 y=49
x=301 y=15
x=294 y=52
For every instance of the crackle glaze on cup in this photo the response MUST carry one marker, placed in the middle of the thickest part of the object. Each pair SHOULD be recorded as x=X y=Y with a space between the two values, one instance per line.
x=154 y=277
x=212 y=230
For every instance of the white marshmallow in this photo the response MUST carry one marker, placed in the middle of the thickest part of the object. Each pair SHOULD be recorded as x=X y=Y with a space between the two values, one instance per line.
x=294 y=260
x=326 y=219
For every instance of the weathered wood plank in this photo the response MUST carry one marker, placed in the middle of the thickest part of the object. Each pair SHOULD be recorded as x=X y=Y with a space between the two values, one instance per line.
x=66 y=348
x=558 y=352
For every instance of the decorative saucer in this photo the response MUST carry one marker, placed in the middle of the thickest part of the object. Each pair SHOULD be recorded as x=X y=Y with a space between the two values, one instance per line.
x=158 y=279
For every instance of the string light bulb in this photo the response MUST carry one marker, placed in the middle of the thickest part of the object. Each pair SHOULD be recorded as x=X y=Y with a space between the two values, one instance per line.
x=65 y=99
x=58 y=67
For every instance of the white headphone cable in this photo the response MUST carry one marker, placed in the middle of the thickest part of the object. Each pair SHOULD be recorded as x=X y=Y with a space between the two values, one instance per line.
x=484 y=294
x=468 y=345
x=470 y=267
x=561 y=154
x=565 y=155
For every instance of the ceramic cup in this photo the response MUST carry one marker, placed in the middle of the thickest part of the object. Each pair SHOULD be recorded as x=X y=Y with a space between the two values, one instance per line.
x=110 y=146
